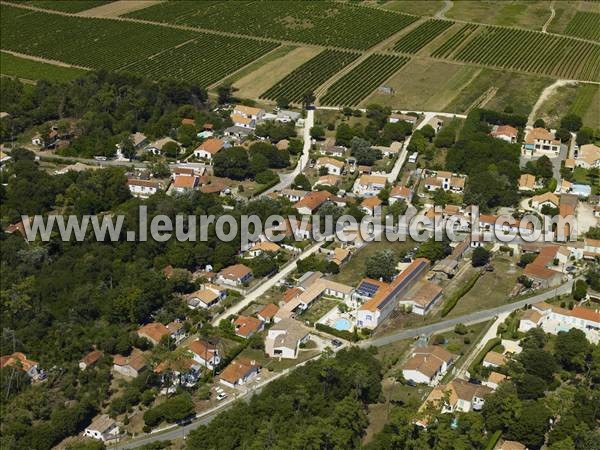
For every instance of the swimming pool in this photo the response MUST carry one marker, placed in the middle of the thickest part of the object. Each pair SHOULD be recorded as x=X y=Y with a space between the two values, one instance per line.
x=342 y=324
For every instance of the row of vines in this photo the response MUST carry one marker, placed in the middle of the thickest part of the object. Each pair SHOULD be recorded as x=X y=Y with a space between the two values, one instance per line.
x=446 y=49
x=533 y=52
x=418 y=38
x=325 y=23
x=357 y=84
x=310 y=75
x=585 y=25
x=150 y=50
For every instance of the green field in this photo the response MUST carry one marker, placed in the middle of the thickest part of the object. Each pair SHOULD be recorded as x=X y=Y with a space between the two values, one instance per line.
x=585 y=25
x=150 y=50
x=454 y=41
x=519 y=91
x=418 y=38
x=204 y=60
x=34 y=70
x=324 y=23
x=416 y=7
x=69 y=6
x=362 y=80
x=531 y=14
x=535 y=52
x=310 y=75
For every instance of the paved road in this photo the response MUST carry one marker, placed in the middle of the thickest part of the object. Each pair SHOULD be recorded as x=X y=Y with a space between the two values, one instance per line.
x=479 y=316
x=467 y=319
x=264 y=287
x=288 y=179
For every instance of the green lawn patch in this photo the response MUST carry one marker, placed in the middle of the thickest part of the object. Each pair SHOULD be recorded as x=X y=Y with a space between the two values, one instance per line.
x=28 y=69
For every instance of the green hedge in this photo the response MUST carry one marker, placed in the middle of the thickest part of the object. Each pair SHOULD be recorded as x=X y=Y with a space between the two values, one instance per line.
x=488 y=347
x=347 y=335
x=494 y=438
x=453 y=300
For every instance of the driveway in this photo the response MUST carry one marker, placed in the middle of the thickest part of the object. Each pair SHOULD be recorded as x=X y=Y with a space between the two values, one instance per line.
x=288 y=178
x=264 y=287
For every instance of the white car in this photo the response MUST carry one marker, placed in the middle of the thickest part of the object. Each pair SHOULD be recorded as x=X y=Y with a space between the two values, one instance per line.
x=221 y=396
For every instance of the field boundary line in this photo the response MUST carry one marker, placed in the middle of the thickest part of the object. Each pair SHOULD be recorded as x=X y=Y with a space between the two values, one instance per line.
x=41 y=59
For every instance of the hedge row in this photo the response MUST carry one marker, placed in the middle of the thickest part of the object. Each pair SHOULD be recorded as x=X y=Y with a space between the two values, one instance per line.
x=452 y=301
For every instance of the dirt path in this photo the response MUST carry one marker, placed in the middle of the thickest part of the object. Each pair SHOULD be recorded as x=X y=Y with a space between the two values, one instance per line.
x=115 y=9
x=546 y=93
x=380 y=47
x=44 y=60
x=552 y=14
x=441 y=14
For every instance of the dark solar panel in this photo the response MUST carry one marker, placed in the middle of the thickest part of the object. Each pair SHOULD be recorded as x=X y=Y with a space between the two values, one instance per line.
x=367 y=289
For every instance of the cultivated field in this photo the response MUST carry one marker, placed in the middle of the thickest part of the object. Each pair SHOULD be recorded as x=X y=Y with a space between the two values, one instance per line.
x=204 y=60
x=520 y=91
x=531 y=14
x=71 y=6
x=425 y=85
x=259 y=76
x=324 y=23
x=585 y=25
x=310 y=75
x=416 y=7
x=150 y=50
x=535 y=52
x=418 y=38
x=454 y=41
x=362 y=80
x=28 y=69
x=575 y=98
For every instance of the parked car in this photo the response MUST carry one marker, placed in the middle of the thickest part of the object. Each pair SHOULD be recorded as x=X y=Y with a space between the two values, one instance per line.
x=221 y=396
x=336 y=343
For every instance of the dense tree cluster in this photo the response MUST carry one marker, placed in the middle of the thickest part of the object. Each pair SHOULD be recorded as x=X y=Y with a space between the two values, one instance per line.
x=320 y=405
x=101 y=109
x=491 y=164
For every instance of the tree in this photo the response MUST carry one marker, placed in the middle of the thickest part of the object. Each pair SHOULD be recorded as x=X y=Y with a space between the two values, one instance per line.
x=531 y=387
x=170 y=149
x=461 y=328
x=563 y=134
x=433 y=250
x=531 y=426
x=382 y=265
x=584 y=136
x=480 y=257
x=396 y=131
x=308 y=99
x=539 y=123
x=127 y=147
x=317 y=132
x=544 y=167
x=283 y=102
x=232 y=163
x=571 y=122
x=302 y=182
x=570 y=349
x=344 y=135
x=362 y=151
x=428 y=132
x=579 y=290
x=225 y=93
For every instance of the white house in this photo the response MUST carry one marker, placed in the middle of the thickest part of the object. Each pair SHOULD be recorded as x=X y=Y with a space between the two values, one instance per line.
x=205 y=353
x=142 y=188
x=588 y=156
x=235 y=275
x=246 y=116
x=284 y=338
x=369 y=185
x=541 y=140
x=553 y=319
x=378 y=308
x=333 y=166
x=506 y=133
x=209 y=148
x=239 y=372
x=427 y=365
x=102 y=428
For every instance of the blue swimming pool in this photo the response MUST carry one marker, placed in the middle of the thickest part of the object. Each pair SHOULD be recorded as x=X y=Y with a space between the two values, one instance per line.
x=342 y=324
